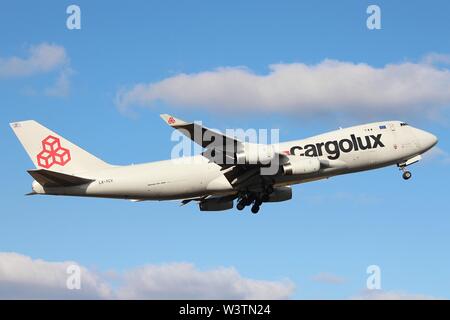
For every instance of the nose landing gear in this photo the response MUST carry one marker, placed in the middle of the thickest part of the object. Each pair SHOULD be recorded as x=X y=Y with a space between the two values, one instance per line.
x=406 y=174
x=402 y=166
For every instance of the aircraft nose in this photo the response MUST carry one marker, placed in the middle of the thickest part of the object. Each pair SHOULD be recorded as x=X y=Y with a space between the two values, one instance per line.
x=427 y=139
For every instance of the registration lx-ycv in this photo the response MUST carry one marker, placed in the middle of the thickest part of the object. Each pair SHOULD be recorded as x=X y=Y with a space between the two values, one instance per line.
x=229 y=170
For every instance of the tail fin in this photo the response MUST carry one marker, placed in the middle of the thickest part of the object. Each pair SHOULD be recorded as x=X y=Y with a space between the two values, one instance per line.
x=48 y=150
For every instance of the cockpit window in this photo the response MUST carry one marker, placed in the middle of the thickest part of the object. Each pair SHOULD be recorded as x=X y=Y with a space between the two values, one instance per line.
x=403 y=124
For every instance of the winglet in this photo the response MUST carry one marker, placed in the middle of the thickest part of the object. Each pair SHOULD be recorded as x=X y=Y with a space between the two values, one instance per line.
x=171 y=120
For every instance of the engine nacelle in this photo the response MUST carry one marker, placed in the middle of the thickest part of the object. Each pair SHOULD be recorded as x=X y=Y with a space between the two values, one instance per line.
x=301 y=165
x=255 y=154
x=215 y=204
x=280 y=194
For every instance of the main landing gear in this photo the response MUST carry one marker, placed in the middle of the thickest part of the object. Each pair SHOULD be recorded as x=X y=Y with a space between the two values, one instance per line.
x=246 y=200
x=256 y=205
x=254 y=199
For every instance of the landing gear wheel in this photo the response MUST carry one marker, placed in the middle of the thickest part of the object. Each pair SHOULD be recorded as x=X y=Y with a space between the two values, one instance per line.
x=240 y=205
x=406 y=175
x=256 y=205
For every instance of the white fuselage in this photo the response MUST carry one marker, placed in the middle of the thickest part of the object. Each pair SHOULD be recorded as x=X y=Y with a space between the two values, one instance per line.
x=342 y=151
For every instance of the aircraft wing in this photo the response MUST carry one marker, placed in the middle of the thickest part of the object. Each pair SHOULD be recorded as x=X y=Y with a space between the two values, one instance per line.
x=220 y=148
x=202 y=135
x=225 y=151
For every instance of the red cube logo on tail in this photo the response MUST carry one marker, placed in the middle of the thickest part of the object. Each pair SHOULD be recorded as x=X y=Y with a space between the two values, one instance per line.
x=52 y=153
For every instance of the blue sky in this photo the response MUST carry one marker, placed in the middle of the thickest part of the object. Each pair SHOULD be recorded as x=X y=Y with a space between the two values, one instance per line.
x=338 y=227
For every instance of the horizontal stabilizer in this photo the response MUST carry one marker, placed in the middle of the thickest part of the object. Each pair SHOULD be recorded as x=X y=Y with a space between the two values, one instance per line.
x=47 y=178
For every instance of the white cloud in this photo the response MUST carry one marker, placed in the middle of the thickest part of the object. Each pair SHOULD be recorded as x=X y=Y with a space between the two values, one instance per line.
x=181 y=280
x=328 y=278
x=23 y=277
x=42 y=58
x=61 y=88
x=329 y=86
x=391 y=295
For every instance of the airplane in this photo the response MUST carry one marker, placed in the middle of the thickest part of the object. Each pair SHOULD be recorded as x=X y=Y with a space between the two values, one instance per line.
x=63 y=168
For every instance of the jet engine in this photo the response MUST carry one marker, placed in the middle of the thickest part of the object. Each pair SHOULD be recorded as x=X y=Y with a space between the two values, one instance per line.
x=215 y=204
x=300 y=165
x=255 y=154
x=280 y=194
